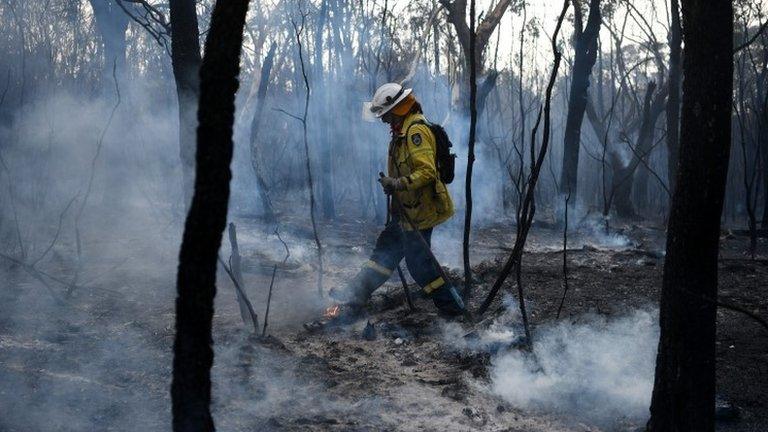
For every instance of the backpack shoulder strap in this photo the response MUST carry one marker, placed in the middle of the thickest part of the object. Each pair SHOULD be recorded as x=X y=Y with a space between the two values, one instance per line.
x=417 y=122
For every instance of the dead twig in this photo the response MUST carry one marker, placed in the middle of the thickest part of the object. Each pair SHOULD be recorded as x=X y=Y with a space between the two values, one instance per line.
x=94 y=160
x=646 y=165
x=14 y=210
x=7 y=86
x=246 y=311
x=528 y=207
x=736 y=308
x=729 y=306
x=272 y=282
x=565 y=255
x=238 y=288
x=58 y=231
x=752 y=38
x=298 y=30
x=38 y=276
x=151 y=18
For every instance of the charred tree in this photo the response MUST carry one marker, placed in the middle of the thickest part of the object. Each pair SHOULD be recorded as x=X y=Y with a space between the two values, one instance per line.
x=527 y=207
x=112 y=23
x=585 y=41
x=762 y=131
x=322 y=108
x=673 y=103
x=298 y=30
x=207 y=217
x=684 y=390
x=624 y=178
x=747 y=134
x=471 y=154
x=436 y=41
x=457 y=15
x=256 y=160
x=185 y=58
x=480 y=35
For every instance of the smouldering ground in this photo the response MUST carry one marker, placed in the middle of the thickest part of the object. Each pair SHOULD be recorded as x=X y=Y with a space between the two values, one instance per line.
x=101 y=360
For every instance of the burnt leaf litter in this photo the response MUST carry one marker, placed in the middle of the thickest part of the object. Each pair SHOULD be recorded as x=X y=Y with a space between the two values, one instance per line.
x=388 y=369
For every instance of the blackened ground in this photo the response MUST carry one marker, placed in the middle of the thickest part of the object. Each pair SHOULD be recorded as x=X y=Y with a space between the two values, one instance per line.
x=101 y=360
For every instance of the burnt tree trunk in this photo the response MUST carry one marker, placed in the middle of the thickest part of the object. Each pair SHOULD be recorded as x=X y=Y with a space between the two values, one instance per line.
x=320 y=109
x=457 y=15
x=621 y=188
x=436 y=41
x=112 y=23
x=673 y=103
x=684 y=390
x=470 y=154
x=185 y=57
x=763 y=145
x=256 y=157
x=207 y=217
x=761 y=103
x=626 y=179
x=585 y=57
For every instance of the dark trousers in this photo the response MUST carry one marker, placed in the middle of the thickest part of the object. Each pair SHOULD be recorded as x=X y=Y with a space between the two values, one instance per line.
x=392 y=245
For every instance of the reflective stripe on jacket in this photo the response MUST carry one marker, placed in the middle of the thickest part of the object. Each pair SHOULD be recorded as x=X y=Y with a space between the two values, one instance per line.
x=425 y=199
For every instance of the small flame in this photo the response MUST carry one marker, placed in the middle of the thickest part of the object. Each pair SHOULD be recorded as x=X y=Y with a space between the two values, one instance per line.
x=332 y=311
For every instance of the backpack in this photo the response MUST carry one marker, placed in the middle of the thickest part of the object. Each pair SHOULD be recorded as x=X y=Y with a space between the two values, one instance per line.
x=445 y=161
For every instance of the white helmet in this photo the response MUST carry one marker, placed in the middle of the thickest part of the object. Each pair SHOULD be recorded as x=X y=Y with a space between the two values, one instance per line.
x=387 y=97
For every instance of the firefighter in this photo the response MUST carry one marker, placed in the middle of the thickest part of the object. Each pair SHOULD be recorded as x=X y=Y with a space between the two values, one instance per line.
x=413 y=182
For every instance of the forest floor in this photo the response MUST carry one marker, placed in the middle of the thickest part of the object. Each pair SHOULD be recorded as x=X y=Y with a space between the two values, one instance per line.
x=101 y=359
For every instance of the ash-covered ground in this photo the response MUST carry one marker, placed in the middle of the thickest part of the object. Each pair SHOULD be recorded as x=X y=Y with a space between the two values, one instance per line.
x=100 y=359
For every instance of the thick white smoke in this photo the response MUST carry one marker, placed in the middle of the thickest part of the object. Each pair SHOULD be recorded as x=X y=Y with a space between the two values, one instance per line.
x=598 y=370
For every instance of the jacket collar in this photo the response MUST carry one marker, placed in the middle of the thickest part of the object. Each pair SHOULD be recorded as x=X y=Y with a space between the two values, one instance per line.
x=408 y=121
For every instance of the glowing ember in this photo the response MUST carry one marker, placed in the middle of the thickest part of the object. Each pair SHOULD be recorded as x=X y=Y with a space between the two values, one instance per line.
x=332 y=312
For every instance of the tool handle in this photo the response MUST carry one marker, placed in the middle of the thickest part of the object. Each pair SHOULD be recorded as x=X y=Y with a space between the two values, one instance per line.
x=437 y=265
x=407 y=291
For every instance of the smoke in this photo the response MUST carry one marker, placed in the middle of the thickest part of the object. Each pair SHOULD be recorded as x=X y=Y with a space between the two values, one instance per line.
x=597 y=369
x=102 y=361
x=65 y=368
x=592 y=231
x=594 y=369
x=499 y=333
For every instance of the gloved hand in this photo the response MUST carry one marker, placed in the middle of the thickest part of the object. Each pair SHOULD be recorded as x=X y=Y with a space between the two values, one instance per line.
x=391 y=184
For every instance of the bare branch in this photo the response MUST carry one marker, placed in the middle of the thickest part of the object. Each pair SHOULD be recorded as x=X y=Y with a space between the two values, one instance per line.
x=151 y=18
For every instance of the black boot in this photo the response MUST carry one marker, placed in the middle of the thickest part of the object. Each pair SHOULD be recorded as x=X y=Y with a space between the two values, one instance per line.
x=449 y=304
x=358 y=291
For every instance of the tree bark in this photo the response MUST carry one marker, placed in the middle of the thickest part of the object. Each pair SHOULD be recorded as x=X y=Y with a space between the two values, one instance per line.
x=256 y=157
x=763 y=143
x=436 y=41
x=196 y=280
x=457 y=16
x=684 y=390
x=470 y=155
x=626 y=179
x=112 y=23
x=185 y=57
x=673 y=103
x=585 y=57
x=761 y=103
x=320 y=109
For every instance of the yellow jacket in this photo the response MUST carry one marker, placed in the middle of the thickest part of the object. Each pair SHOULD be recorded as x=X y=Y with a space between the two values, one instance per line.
x=426 y=199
